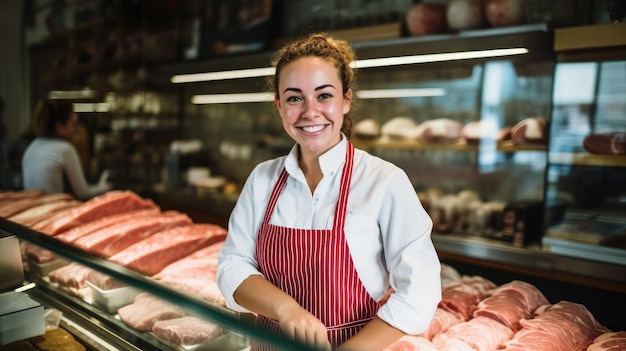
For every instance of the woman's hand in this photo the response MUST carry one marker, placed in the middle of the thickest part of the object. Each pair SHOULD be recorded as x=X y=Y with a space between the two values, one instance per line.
x=302 y=326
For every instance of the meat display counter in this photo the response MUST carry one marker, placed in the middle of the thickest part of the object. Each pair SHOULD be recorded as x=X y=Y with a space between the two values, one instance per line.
x=98 y=326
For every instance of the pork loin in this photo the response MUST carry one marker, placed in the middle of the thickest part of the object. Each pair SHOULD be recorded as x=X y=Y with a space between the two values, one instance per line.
x=151 y=255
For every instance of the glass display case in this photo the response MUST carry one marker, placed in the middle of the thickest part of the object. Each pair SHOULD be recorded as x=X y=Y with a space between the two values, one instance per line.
x=93 y=315
x=586 y=174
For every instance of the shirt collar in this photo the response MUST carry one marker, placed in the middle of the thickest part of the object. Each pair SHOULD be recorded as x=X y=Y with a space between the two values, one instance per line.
x=330 y=162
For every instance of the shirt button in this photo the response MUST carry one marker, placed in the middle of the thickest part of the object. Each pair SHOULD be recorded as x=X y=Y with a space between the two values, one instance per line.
x=332 y=173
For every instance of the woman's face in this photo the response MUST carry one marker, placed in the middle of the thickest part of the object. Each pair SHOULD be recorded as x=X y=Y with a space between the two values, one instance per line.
x=67 y=130
x=311 y=104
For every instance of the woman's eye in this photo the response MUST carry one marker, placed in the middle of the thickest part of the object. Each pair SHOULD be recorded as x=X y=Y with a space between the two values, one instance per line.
x=293 y=99
x=325 y=96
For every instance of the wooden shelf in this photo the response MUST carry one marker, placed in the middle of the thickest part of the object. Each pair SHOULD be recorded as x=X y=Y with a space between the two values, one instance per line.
x=586 y=159
x=456 y=146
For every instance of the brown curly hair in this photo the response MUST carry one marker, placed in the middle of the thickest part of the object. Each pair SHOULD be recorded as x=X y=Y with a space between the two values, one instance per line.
x=334 y=50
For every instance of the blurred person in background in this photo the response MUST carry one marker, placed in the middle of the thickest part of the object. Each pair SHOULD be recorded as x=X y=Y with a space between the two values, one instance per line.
x=51 y=162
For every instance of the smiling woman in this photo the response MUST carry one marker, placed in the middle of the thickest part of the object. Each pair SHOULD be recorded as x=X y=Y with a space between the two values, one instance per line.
x=328 y=210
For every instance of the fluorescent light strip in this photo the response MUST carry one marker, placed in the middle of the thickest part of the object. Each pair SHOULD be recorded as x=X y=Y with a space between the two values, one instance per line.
x=223 y=75
x=231 y=98
x=398 y=93
x=91 y=107
x=379 y=62
x=71 y=94
x=362 y=94
x=449 y=56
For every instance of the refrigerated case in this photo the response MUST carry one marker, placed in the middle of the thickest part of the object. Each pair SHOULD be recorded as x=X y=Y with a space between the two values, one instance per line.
x=586 y=171
x=94 y=322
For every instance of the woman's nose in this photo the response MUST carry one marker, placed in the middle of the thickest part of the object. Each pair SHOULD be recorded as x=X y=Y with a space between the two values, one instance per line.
x=310 y=110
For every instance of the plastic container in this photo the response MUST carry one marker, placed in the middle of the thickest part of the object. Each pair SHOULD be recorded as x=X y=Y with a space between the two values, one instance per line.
x=12 y=272
x=20 y=317
x=111 y=300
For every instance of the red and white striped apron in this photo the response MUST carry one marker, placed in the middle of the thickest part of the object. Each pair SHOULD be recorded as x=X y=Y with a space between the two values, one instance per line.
x=315 y=267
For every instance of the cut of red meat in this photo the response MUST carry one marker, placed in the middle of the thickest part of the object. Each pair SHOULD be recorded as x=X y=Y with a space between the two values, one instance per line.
x=111 y=202
x=443 y=343
x=8 y=196
x=613 y=143
x=411 y=343
x=532 y=130
x=36 y=214
x=36 y=253
x=114 y=238
x=481 y=333
x=611 y=341
x=79 y=231
x=12 y=208
x=188 y=330
x=441 y=321
x=104 y=281
x=74 y=275
x=146 y=310
x=196 y=273
x=564 y=326
x=151 y=255
x=461 y=298
x=511 y=302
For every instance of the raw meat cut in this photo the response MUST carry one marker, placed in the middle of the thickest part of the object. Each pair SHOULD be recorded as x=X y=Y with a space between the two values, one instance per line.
x=146 y=310
x=442 y=320
x=476 y=131
x=564 y=326
x=611 y=341
x=36 y=214
x=79 y=231
x=74 y=275
x=444 y=343
x=187 y=330
x=532 y=130
x=196 y=273
x=606 y=143
x=411 y=343
x=36 y=253
x=111 y=202
x=439 y=130
x=461 y=299
x=8 y=195
x=511 y=302
x=151 y=255
x=481 y=333
x=12 y=208
x=104 y=281
x=114 y=238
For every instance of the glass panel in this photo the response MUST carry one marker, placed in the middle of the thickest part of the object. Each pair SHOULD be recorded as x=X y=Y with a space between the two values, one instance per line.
x=586 y=192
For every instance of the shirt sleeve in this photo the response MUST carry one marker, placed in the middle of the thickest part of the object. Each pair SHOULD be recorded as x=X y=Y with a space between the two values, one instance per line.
x=237 y=259
x=76 y=177
x=410 y=256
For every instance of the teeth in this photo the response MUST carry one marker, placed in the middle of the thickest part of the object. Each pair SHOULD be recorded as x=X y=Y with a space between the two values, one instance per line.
x=313 y=129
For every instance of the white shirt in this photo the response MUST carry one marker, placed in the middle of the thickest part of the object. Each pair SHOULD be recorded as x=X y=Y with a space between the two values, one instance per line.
x=387 y=229
x=49 y=163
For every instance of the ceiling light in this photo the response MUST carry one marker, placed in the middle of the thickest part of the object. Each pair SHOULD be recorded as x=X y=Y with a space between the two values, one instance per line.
x=231 y=98
x=91 y=107
x=448 y=56
x=72 y=94
x=361 y=94
x=366 y=63
x=223 y=75
x=399 y=93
